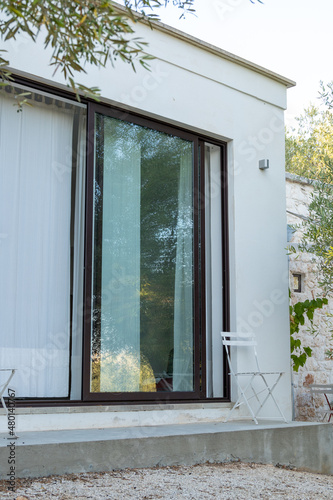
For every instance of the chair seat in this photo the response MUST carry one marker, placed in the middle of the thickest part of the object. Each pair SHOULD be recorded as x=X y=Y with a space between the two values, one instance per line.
x=257 y=373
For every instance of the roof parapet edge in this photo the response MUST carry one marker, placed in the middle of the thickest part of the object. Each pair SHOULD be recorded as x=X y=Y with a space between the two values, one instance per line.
x=299 y=179
x=223 y=54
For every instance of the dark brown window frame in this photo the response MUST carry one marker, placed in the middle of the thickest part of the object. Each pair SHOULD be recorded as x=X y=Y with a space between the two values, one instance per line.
x=199 y=258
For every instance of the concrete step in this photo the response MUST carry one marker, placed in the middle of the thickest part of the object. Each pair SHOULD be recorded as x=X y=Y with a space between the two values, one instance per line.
x=303 y=445
x=97 y=417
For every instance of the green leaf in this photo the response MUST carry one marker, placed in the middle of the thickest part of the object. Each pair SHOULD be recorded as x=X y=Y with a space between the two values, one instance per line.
x=15 y=11
x=308 y=351
x=60 y=23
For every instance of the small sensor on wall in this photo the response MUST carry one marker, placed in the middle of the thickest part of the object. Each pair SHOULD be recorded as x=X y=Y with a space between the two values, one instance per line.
x=263 y=164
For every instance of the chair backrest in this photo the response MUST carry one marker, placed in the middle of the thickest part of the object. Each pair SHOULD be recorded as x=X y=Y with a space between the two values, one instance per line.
x=240 y=339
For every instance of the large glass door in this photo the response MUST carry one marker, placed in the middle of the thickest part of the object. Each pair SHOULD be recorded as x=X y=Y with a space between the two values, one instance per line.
x=142 y=333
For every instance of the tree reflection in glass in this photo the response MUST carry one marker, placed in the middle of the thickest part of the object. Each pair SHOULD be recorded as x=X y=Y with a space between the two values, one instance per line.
x=142 y=324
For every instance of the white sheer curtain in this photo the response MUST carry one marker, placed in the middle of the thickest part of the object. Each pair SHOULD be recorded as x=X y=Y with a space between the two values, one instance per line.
x=183 y=309
x=120 y=303
x=35 y=207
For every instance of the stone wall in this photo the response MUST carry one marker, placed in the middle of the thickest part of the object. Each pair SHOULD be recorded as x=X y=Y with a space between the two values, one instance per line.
x=319 y=368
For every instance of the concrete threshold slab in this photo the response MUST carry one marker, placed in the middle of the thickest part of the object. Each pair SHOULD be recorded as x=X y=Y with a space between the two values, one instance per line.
x=51 y=410
x=302 y=445
x=99 y=417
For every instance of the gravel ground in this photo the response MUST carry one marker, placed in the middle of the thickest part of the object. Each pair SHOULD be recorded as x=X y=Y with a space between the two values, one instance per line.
x=222 y=481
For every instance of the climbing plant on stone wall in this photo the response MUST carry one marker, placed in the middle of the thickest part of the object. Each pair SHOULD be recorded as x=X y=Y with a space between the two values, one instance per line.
x=299 y=313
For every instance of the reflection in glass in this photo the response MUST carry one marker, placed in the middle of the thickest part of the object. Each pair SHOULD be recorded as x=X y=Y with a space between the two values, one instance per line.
x=142 y=324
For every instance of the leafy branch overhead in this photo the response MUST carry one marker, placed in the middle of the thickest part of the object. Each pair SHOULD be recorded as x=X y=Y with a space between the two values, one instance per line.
x=82 y=32
x=309 y=149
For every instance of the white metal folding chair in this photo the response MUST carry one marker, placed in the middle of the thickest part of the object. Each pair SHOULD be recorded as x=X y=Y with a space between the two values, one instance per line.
x=3 y=386
x=247 y=381
x=327 y=391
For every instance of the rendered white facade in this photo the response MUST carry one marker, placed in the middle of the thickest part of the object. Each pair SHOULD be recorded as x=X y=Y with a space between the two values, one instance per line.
x=204 y=90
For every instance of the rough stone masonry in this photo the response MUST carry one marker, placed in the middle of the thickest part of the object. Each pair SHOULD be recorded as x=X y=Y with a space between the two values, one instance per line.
x=319 y=368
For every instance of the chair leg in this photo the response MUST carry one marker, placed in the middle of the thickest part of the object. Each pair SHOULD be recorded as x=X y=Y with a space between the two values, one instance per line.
x=240 y=402
x=4 y=406
x=2 y=398
x=270 y=394
x=330 y=406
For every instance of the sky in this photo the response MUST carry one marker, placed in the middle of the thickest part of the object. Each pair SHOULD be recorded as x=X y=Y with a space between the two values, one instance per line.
x=290 y=37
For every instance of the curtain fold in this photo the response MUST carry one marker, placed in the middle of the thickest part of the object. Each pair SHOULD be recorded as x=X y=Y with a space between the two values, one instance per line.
x=35 y=207
x=183 y=368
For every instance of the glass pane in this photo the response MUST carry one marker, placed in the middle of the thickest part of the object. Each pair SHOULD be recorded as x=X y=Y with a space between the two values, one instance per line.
x=142 y=325
x=214 y=281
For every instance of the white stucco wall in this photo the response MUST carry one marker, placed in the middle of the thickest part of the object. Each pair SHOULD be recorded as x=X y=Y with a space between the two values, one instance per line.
x=205 y=90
